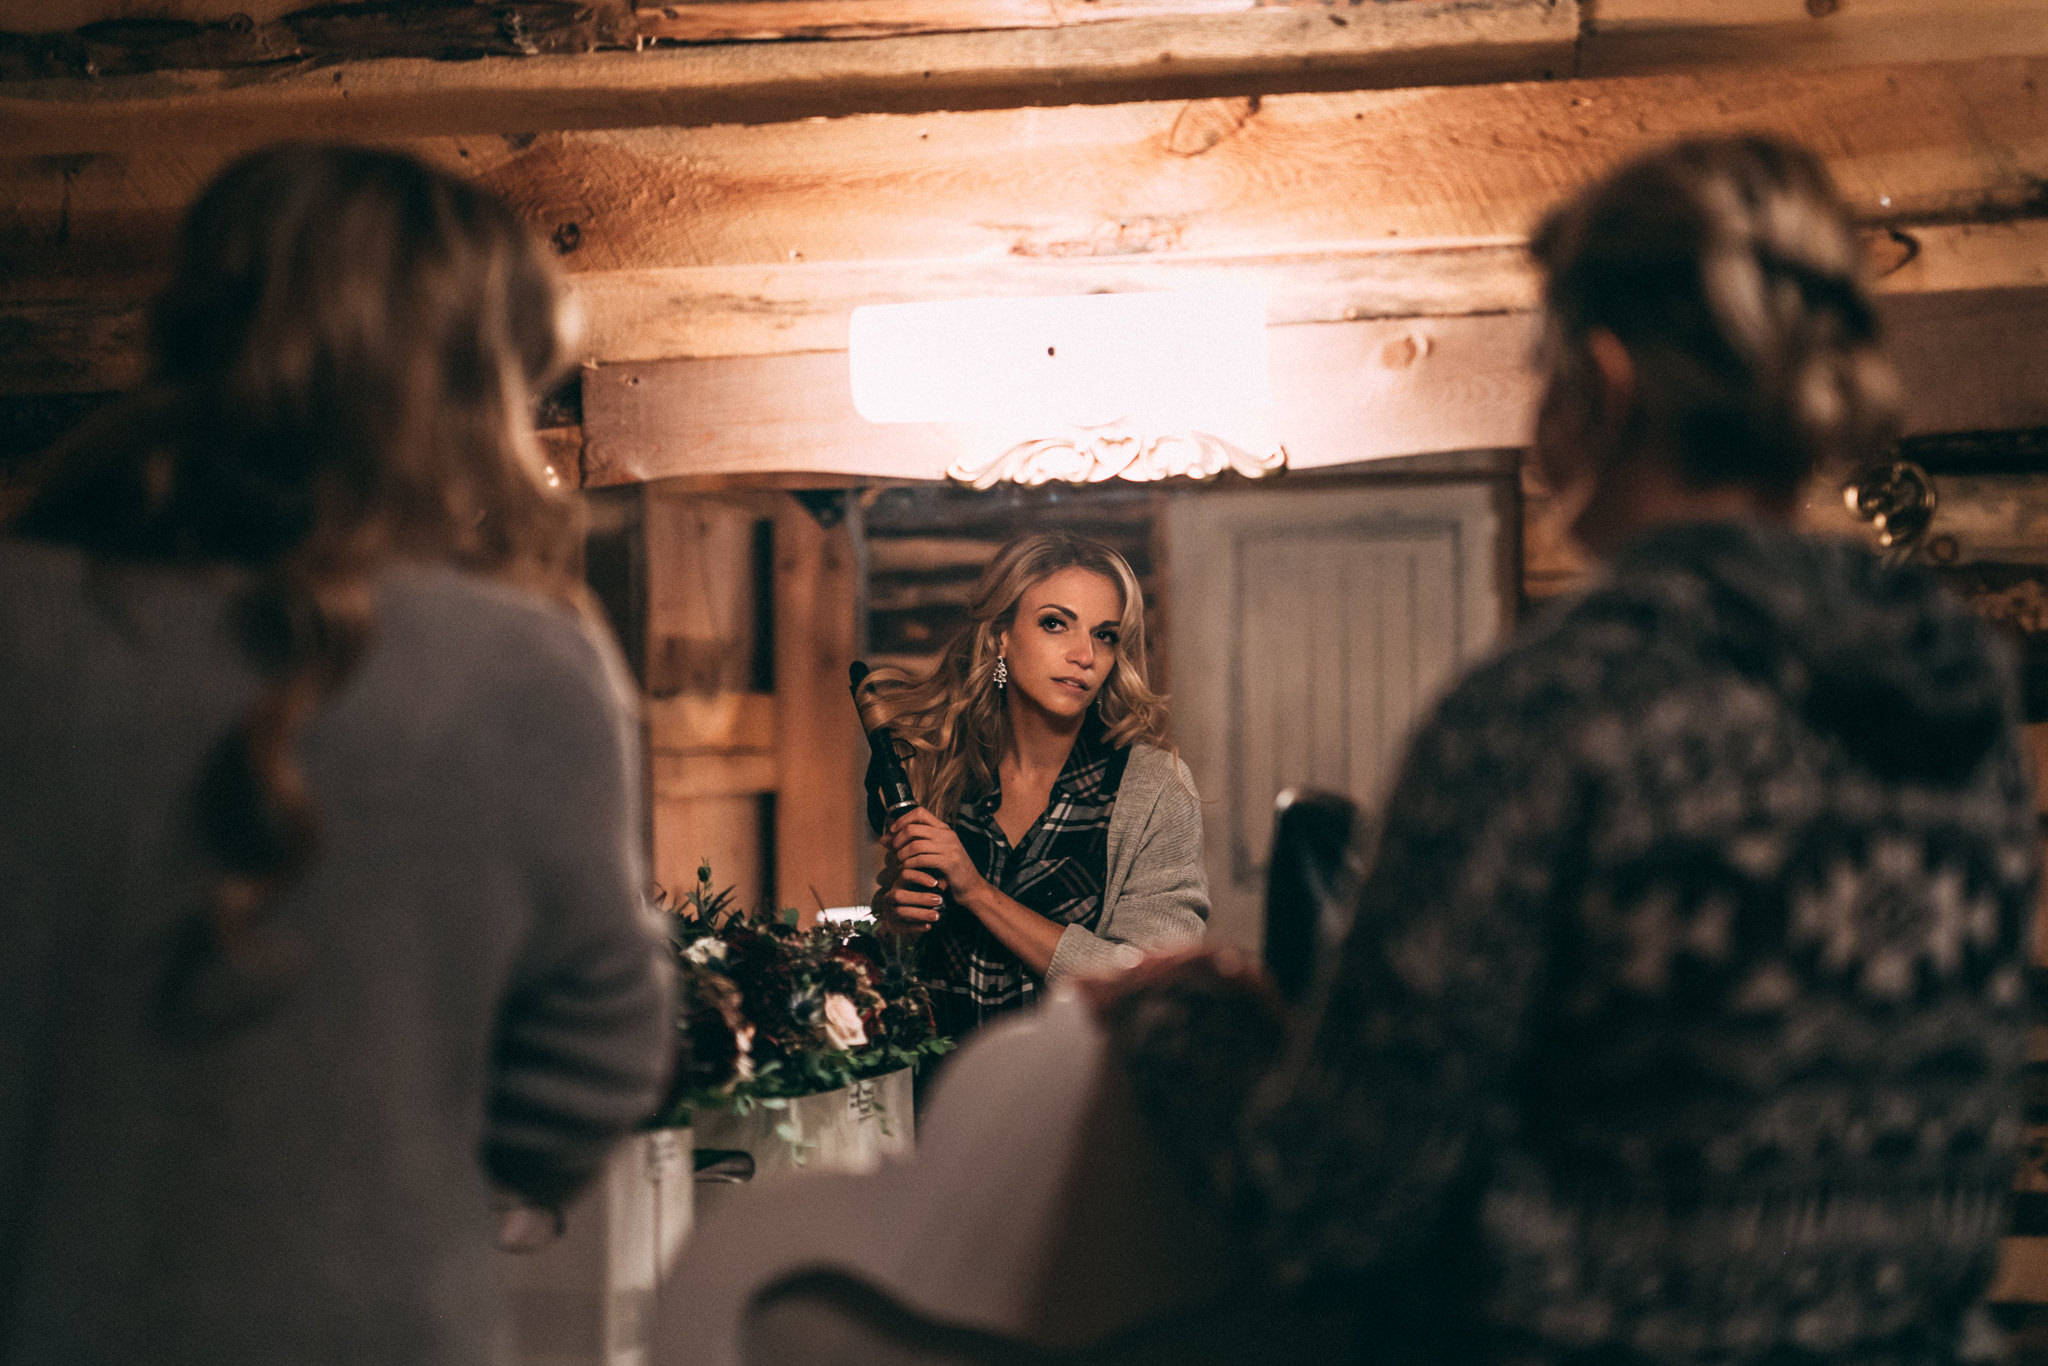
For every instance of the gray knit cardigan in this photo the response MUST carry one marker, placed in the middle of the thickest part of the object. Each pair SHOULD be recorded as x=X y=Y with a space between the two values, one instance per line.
x=1155 y=897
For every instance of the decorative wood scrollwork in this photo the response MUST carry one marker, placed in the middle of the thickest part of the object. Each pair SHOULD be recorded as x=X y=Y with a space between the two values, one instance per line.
x=1095 y=455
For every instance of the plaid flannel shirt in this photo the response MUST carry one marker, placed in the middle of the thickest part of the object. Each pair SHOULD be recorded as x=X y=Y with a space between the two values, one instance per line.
x=1058 y=870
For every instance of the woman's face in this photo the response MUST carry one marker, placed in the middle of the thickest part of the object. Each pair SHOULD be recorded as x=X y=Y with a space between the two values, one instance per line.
x=1062 y=644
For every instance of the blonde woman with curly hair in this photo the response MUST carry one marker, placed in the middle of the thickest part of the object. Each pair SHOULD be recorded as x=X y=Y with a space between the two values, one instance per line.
x=1057 y=835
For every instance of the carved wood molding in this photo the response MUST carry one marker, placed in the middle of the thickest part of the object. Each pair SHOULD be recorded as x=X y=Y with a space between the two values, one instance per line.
x=1095 y=455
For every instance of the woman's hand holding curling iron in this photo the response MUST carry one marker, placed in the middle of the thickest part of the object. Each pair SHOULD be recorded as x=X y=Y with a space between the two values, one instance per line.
x=923 y=860
x=906 y=900
x=924 y=863
x=922 y=842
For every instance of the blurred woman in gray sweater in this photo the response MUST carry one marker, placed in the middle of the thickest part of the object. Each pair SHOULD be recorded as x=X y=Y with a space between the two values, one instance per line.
x=319 y=866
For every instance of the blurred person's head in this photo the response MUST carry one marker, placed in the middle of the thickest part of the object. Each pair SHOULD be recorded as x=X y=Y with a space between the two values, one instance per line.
x=344 y=370
x=1708 y=339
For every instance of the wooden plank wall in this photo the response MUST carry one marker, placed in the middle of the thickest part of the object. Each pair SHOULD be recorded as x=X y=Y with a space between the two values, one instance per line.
x=754 y=748
x=2020 y=1292
x=711 y=712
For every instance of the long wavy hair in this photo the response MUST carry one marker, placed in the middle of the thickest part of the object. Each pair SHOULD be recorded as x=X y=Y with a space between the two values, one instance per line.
x=345 y=367
x=954 y=720
x=1729 y=270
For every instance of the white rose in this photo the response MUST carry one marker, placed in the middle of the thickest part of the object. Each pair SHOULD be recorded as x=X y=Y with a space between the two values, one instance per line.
x=842 y=1022
x=706 y=951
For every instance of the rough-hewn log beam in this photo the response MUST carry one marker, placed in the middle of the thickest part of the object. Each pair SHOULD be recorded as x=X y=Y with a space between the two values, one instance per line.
x=317 y=34
x=63 y=16
x=1636 y=36
x=766 y=310
x=59 y=346
x=725 y=21
x=958 y=54
x=1417 y=42
x=1342 y=392
x=197 y=37
x=1296 y=173
x=737 y=241
x=1159 y=179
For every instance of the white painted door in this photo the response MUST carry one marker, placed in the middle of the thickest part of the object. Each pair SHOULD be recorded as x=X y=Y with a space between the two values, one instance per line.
x=1310 y=626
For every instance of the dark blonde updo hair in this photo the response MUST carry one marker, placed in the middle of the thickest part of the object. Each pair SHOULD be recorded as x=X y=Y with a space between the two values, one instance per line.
x=1729 y=270
x=345 y=368
x=954 y=720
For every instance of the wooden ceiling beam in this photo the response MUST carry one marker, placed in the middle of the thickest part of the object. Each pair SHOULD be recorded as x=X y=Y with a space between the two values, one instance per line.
x=95 y=344
x=1381 y=168
x=1414 y=43
x=768 y=310
x=725 y=21
x=1637 y=37
x=1155 y=181
x=742 y=240
x=757 y=61
x=1342 y=392
x=60 y=16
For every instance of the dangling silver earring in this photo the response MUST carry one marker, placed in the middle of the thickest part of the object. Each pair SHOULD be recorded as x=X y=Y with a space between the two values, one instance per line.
x=1002 y=673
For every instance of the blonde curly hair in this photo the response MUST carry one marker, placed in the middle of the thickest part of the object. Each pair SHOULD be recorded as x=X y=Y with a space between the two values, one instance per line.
x=954 y=721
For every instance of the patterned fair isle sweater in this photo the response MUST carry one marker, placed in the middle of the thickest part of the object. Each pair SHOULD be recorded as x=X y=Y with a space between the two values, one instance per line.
x=1681 y=1018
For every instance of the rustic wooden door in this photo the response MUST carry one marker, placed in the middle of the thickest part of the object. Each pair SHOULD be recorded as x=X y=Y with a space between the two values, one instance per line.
x=1311 y=625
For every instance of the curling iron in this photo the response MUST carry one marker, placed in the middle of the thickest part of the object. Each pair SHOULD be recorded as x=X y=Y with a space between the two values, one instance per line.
x=888 y=785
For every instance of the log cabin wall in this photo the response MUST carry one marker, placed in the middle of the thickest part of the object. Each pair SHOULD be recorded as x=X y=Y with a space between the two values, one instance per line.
x=725 y=181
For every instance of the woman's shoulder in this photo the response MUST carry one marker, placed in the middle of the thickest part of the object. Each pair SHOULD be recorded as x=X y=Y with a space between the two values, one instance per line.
x=450 y=604
x=503 y=641
x=466 y=597
x=1156 y=776
x=1153 y=763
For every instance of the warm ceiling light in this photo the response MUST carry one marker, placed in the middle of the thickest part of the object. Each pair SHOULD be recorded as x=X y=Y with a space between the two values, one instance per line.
x=1082 y=387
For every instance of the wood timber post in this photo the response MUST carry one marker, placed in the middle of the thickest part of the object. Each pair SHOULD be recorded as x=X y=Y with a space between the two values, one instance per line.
x=818 y=819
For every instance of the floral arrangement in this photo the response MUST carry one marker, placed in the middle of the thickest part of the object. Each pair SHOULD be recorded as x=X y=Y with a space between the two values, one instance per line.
x=769 y=1011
